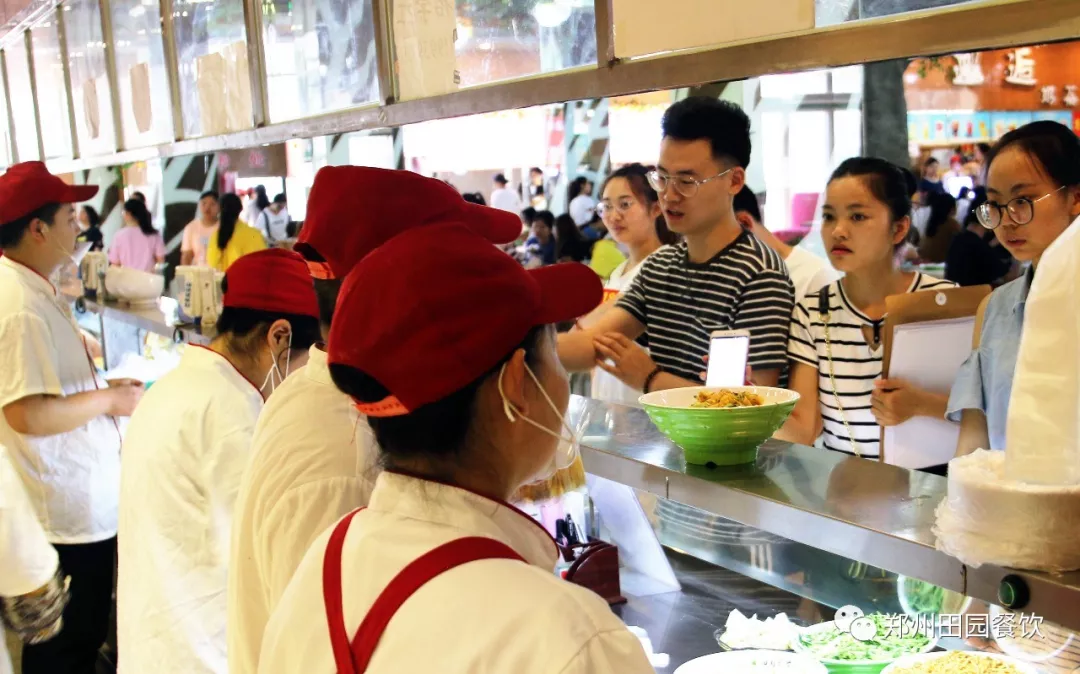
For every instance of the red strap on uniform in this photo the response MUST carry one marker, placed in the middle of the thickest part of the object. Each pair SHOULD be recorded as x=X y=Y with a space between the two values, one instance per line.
x=335 y=614
x=412 y=578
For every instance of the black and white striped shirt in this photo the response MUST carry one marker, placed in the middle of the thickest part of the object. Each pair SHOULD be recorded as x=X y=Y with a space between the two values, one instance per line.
x=743 y=287
x=854 y=364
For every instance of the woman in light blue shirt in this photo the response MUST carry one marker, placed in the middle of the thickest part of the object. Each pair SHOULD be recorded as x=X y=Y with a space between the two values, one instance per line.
x=1033 y=195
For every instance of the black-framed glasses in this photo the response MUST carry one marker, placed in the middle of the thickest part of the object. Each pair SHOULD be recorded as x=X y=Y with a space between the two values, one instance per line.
x=1021 y=210
x=684 y=185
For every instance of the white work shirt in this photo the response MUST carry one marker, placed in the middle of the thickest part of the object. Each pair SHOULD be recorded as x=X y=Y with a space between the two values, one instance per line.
x=73 y=478
x=185 y=451
x=494 y=615
x=809 y=273
x=506 y=199
x=27 y=561
x=313 y=460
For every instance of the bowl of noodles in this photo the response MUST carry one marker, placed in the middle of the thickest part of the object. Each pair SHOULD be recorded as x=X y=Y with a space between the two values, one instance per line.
x=959 y=662
x=719 y=426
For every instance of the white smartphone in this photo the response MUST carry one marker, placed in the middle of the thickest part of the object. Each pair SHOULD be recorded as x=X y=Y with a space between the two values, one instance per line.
x=728 y=351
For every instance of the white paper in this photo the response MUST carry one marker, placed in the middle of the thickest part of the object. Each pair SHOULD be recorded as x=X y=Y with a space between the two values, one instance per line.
x=928 y=355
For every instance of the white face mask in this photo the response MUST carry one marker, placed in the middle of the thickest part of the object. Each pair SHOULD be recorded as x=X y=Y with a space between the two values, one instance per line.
x=273 y=375
x=567 y=451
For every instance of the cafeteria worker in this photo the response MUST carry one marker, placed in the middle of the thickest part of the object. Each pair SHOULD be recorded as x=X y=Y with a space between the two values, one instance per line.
x=313 y=458
x=183 y=456
x=1033 y=194
x=464 y=392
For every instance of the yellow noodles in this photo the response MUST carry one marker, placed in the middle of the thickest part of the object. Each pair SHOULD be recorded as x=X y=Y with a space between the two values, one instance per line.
x=724 y=398
x=959 y=662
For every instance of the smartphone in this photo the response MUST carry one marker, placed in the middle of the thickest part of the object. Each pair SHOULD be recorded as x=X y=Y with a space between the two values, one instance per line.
x=728 y=351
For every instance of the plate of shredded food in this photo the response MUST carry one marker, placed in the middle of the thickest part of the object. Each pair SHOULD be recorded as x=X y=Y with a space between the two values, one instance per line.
x=959 y=662
x=753 y=662
x=917 y=597
x=721 y=426
x=842 y=653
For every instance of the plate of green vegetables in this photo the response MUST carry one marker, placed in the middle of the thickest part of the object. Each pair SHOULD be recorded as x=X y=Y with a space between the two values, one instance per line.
x=842 y=653
x=917 y=597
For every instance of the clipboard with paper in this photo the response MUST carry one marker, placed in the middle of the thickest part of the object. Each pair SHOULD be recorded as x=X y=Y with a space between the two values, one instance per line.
x=927 y=338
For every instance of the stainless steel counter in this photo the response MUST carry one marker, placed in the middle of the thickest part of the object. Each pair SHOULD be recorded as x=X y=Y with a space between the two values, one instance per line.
x=860 y=509
x=149 y=318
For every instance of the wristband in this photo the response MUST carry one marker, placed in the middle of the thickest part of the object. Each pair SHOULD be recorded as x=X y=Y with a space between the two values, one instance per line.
x=649 y=380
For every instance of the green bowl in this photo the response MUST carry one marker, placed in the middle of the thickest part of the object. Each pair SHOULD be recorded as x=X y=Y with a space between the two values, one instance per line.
x=852 y=666
x=719 y=436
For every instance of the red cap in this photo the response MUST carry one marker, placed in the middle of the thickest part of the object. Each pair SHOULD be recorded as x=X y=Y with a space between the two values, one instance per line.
x=28 y=186
x=435 y=308
x=273 y=280
x=352 y=210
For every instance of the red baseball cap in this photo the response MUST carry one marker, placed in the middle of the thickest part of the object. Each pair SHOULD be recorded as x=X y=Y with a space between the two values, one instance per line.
x=352 y=210
x=435 y=308
x=28 y=186
x=274 y=280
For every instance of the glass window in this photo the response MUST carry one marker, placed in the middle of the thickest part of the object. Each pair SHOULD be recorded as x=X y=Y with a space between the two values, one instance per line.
x=141 y=76
x=5 y=145
x=90 y=89
x=492 y=41
x=51 y=88
x=215 y=85
x=831 y=12
x=21 y=94
x=320 y=56
x=793 y=85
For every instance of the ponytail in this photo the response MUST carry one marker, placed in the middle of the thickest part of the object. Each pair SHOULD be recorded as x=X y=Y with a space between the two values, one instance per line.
x=137 y=210
x=231 y=208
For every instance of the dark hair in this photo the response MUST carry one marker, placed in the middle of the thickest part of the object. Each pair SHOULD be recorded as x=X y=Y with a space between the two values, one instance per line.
x=983 y=147
x=978 y=198
x=929 y=161
x=912 y=181
x=500 y=179
x=474 y=198
x=137 y=209
x=942 y=205
x=231 y=208
x=528 y=215
x=326 y=290
x=92 y=216
x=139 y=195
x=569 y=241
x=210 y=193
x=280 y=198
x=577 y=186
x=261 y=199
x=886 y=181
x=637 y=176
x=536 y=169
x=247 y=328
x=438 y=430
x=747 y=202
x=11 y=233
x=722 y=123
x=546 y=217
x=1054 y=147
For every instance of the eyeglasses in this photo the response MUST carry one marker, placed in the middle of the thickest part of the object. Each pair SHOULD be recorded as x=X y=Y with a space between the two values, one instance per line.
x=1021 y=210
x=606 y=208
x=684 y=185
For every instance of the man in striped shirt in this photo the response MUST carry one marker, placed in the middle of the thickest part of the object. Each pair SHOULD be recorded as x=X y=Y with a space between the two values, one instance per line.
x=719 y=277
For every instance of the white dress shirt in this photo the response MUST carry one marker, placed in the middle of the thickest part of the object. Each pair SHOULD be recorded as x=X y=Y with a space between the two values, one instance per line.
x=494 y=615
x=313 y=459
x=185 y=451
x=506 y=199
x=73 y=478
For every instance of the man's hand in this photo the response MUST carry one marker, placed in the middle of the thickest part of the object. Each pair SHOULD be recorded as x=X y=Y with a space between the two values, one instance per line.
x=124 y=395
x=894 y=401
x=629 y=362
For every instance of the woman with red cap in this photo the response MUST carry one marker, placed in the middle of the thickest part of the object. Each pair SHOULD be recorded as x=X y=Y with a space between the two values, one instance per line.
x=183 y=455
x=439 y=572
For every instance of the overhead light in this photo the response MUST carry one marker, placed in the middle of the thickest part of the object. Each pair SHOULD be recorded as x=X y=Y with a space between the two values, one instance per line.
x=552 y=14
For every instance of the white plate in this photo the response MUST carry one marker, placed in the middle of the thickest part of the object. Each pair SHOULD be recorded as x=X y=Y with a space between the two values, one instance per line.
x=909 y=660
x=753 y=662
x=683 y=398
x=800 y=648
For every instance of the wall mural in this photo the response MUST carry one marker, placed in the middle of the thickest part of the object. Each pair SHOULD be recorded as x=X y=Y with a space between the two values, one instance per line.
x=185 y=178
x=108 y=201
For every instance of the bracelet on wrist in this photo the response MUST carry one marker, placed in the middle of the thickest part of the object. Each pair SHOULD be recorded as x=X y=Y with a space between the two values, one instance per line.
x=649 y=380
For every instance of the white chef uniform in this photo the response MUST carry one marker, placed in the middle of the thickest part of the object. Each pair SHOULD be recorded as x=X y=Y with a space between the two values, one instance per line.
x=494 y=615
x=184 y=453
x=313 y=460
x=73 y=478
x=27 y=561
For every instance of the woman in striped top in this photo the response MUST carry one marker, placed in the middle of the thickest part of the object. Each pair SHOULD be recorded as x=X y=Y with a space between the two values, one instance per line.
x=835 y=343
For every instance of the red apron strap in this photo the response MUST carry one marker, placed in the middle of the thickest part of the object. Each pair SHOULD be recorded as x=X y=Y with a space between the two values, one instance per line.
x=335 y=614
x=412 y=578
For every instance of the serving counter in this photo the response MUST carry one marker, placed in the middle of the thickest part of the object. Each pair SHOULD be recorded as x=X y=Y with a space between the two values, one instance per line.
x=818 y=524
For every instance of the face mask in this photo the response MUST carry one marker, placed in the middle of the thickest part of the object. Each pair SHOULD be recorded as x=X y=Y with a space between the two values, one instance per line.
x=273 y=380
x=567 y=450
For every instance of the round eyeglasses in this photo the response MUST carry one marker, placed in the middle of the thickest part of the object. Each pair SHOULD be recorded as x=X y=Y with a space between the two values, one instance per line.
x=606 y=209
x=1021 y=210
x=684 y=185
